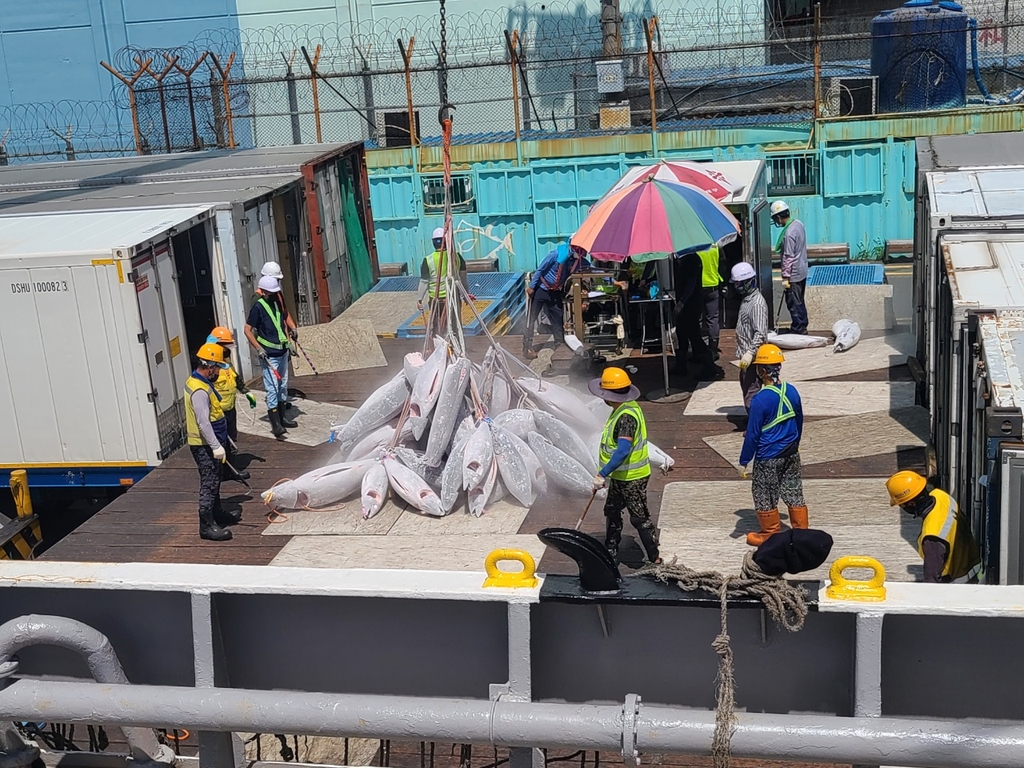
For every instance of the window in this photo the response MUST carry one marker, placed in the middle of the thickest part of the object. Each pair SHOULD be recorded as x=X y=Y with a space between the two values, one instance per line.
x=462 y=194
x=793 y=175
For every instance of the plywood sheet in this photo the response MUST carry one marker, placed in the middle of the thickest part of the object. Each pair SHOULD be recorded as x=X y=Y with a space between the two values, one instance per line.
x=344 y=344
x=453 y=553
x=315 y=419
x=878 y=353
x=845 y=437
x=819 y=398
x=385 y=310
x=501 y=517
x=346 y=521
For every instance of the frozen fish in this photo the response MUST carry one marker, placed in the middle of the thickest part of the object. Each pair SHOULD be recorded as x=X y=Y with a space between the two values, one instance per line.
x=380 y=407
x=479 y=456
x=565 y=438
x=449 y=403
x=560 y=468
x=412 y=487
x=374 y=490
x=427 y=389
x=512 y=467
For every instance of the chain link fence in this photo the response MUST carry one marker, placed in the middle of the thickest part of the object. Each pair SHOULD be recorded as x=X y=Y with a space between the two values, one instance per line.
x=539 y=71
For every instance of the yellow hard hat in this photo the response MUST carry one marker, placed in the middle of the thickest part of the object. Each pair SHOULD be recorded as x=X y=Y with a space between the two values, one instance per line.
x=221 y=335
x=769 y=354
x=614 y=378
x=610 y=387
x=904 y=486
x=212 y=353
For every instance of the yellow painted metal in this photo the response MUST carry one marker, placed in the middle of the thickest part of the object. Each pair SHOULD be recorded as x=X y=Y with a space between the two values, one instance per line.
x=841 y=588
x=526 y=578
x=22 y=496
x=467 y=313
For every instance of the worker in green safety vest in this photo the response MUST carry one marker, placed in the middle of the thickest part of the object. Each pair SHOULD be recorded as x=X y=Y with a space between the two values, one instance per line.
x=711 y=287
x=433 y=271
x=772 y=441
x=625 y=466
x=270 y=331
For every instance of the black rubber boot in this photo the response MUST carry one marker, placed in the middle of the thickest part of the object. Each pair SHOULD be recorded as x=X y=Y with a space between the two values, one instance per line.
x=286 y=421
x=275 y=424
x=224 y=518
x=210 y=530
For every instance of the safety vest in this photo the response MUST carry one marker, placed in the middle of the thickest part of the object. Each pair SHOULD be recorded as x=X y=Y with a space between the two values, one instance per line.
x=437 y=263
x=276 y=318
x=944 y=521
x=227 y=387
x=710 y=277
x=636 y=465
x=785 y=411
x=782 y=236
x=193 y=384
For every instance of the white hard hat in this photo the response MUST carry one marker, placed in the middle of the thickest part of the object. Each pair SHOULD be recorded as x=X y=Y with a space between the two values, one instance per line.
x=779 y=206
x=438 y=234
x=271 y=284
x=742 y=271
x=272 y=269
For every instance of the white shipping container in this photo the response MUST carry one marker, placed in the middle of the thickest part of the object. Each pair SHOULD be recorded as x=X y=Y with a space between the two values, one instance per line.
x=92 y=341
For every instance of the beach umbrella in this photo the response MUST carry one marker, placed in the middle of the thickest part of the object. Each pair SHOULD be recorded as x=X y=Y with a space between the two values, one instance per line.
x=698 y=175
x=654 y=219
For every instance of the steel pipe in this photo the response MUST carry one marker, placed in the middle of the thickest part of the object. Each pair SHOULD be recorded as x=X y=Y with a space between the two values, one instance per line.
x=100 y=657
x=925 y=743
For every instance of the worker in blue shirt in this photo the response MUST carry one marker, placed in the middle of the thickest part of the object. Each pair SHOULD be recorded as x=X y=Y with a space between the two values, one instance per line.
x=772 y=442
x=547 y=292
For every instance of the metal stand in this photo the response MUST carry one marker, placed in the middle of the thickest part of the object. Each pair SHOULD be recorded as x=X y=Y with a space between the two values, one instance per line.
x=666 y=395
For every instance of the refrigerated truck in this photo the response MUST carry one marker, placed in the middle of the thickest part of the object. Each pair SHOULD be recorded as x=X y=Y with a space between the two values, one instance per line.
x=93 y=343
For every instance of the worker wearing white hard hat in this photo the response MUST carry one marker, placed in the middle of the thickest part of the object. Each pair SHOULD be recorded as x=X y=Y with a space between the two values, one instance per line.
x=791 y=246
x=751 y=327
x=268 y=328
x=272 y=269
x=433 y=271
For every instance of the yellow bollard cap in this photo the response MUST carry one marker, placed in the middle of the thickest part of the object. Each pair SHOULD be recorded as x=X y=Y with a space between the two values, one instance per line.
x=510 y=579
x=841 y=588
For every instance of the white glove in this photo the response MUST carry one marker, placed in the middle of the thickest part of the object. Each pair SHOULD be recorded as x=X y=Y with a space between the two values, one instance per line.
x=743 y=472
x=746 y=360
x=598 y=482
x=219 y=453
x=785 y=285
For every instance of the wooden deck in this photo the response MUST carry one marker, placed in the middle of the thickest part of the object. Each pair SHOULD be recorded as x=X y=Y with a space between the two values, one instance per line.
x=156 y=520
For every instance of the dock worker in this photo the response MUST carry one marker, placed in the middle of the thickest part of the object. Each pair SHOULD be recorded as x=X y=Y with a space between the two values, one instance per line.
x=202 y=407
x=711 y=291
x=751 y=327
x=625 y=467
x=547 y=293
x=272 y=269
x=268 y=328
x=946 y=544
x=228 y=384
x=433 y=271
x=772 y=442
x=792 y=249
x=689 y=308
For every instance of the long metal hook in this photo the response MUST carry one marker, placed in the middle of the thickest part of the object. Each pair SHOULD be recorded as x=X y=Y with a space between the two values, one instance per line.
x=442 y=113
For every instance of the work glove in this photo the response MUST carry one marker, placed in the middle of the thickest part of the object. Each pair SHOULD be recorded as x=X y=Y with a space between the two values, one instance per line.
x=262 y=353
x=294 y=334
x=743 y=472
x=219 y=453
x=746 y=360
x=785 y=285
x=599 y=481
x=251 y=399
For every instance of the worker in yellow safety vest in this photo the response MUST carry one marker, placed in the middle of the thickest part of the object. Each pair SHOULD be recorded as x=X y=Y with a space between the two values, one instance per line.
x=772 y=442
x=228 y=385
x=202 y=407
x=946 y=544
x=434 y=270
x=268 y=328
x=625 y=466
x=711 y=287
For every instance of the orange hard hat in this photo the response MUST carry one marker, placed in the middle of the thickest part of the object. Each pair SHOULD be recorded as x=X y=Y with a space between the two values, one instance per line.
x=221 y=335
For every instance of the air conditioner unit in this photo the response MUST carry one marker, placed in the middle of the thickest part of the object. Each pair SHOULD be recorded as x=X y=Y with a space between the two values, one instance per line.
x=393 y=128
x=849 y=96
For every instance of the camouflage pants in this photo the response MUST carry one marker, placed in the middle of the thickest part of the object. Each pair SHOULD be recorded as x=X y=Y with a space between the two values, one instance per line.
x=777 y=477
x=630 y=495
x=209 y=481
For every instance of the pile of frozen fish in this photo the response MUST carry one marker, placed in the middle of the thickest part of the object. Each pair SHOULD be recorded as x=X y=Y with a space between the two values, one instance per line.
x=446 y=429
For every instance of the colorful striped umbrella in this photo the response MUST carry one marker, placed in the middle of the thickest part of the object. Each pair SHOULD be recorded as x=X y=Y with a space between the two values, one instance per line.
x=654 y=219
x=698 y=175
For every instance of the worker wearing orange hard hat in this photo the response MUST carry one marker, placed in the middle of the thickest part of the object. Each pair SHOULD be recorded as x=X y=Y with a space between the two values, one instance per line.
x=772 y=442
x=946 y=544
x=625 y=466
x=202 y=408
x=228 y=385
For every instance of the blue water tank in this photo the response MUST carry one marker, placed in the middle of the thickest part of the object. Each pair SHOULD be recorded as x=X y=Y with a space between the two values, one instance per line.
x=919 y=55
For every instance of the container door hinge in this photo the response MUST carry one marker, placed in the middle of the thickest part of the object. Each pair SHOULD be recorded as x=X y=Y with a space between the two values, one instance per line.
x=151 y=396
x=131 y=276
x=143 y=337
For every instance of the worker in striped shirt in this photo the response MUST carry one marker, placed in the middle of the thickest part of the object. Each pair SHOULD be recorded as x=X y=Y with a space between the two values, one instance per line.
x=751 y=328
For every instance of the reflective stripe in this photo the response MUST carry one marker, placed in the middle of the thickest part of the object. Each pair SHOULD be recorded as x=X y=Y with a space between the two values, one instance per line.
x=282 y=338
x=636 y=464
x=437 y=263
x=782 y=414
x=944 y=522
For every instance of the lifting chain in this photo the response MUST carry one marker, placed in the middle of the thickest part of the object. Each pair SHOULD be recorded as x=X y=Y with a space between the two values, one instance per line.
x=443 y=59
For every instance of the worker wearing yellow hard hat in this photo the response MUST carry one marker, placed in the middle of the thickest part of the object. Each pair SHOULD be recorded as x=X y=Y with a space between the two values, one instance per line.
x=772 y=442
x=625 y=467
x=228 y=385
x=946 y=544
x=202 y=408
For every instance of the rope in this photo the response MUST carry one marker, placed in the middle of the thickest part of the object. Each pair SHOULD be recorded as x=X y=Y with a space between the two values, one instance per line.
x=785 y=603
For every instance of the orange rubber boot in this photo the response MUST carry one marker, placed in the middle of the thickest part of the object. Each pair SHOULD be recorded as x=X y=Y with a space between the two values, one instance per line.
x=798 y=517
x=770 y=525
